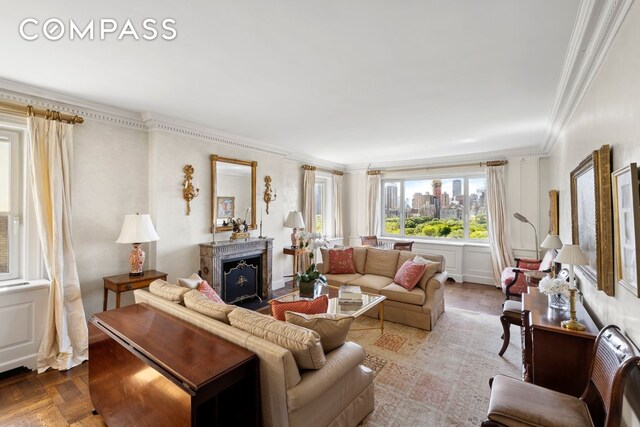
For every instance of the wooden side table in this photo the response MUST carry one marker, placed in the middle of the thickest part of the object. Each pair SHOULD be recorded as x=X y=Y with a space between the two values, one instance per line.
x=297 y=253
x=125 y=283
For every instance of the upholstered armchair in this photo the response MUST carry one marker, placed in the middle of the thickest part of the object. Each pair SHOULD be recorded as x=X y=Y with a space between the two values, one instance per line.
x=513 y=280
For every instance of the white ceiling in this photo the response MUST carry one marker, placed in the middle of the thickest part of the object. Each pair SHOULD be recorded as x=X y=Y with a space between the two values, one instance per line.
x=344 y=82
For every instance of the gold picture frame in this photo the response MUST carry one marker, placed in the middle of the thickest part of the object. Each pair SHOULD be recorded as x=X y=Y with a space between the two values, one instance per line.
x=625 y=183
x=591 y=223
x=554 y=216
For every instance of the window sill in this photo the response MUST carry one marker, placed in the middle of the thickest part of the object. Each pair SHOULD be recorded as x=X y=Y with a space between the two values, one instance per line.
x=418 y=241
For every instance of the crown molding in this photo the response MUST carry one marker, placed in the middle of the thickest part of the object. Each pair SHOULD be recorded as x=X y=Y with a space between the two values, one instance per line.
x=158 y=122
x=319 y=163
x=596 y=26
x=447 y=161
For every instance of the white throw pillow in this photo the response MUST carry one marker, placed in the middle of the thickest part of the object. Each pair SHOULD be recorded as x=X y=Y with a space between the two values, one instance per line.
x=191 y=282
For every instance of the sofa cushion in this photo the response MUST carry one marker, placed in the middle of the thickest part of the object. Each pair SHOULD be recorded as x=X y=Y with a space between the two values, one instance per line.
x=371 y=283
x=398 y=293
x=167 y=290
x=409 y=274
x=341 y=279
x=381 y=262
x=190 y=282
x=199 y=302
x=315 y=306
x=303 y=343
x=359 y=259
x=209 y=292
x=430 y=270
x=332 y=328
x=341 y=261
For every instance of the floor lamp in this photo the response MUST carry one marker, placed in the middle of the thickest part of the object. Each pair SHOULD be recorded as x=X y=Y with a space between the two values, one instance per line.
x=522 y=218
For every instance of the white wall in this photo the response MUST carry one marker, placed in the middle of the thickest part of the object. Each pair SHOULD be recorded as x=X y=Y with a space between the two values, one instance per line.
x=608 y=114
x=465 y=261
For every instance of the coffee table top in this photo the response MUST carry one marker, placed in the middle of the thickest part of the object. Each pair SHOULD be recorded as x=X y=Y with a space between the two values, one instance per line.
x=368 y=300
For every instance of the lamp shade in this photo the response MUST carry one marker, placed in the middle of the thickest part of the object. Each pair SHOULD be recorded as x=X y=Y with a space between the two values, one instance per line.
x=552 y=241
x=572 y=255
x=137 y=229
x=294 y=220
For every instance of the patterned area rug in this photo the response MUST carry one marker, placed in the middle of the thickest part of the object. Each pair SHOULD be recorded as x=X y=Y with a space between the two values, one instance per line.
x=436 y=378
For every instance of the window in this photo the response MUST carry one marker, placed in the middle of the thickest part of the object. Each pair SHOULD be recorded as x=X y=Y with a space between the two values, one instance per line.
x=324 y=205
x=10 y=192
x=449 y=208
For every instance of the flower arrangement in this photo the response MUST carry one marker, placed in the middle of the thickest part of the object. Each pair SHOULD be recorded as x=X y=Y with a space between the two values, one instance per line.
x=310 y=242
x=554 y=286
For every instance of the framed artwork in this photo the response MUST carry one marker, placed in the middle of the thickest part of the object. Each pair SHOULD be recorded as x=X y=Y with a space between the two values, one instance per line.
x=226 y=207
x=591 y=224
x=554 y=216
x=626 y=220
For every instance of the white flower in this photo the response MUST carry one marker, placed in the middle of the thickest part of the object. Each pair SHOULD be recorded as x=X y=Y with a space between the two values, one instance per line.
x=554 y=286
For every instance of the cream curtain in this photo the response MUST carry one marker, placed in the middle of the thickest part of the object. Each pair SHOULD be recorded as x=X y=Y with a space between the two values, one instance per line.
x=64 y=344
x=309 y=200
x=373 y=201
x=337 y=196
x=499 y=237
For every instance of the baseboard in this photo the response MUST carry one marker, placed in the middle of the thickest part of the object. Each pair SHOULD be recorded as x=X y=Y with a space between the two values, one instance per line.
x=482 y=280
x=277 y=284
x=30 y=361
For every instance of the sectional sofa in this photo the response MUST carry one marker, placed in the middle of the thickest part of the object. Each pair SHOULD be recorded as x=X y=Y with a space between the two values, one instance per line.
x=375 y=270
x=339 y=393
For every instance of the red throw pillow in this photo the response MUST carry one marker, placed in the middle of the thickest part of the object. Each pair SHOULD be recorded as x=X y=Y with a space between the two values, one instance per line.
x=341 y=261
x=209 y=292
x=316 y=306
x=409 y=274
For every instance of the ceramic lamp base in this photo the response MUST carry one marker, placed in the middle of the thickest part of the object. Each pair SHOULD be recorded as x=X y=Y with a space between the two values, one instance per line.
x=136 y=260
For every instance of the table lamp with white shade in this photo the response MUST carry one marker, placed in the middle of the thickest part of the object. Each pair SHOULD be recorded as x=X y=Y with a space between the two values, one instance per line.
x=572 y=255
x=552 y=242
x=137 y=229
x=295 y=221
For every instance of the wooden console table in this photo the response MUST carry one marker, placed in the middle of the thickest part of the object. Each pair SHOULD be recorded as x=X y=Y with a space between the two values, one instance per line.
x=147 y=368
x=297 y=261
x=555 y=357
x=125 y=283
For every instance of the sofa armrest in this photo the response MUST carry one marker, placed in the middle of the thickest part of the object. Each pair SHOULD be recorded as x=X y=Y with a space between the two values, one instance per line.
x=436 y=282
x=315 y=383
x=320 y=268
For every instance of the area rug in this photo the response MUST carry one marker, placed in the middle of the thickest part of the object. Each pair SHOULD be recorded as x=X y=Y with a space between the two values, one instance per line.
x=436 y=378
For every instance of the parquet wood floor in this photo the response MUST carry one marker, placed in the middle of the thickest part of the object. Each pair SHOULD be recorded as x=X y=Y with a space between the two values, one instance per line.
x=62 y=398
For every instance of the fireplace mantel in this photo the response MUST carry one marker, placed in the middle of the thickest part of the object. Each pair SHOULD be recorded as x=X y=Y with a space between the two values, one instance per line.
x=213 y=257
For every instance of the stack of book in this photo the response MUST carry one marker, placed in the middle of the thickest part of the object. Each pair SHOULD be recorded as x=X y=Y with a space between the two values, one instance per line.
x=350 y=295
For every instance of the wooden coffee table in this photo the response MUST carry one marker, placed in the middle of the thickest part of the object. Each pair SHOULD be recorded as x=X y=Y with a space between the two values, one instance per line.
x=369 y=301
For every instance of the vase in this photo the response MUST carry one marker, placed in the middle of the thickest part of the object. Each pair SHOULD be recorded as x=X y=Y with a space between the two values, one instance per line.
x=558 y=301
x=309 y=289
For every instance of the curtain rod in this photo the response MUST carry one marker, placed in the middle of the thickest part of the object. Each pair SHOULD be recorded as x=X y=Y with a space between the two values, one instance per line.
x=23 y=110
x=427 y=168
x=313 y=168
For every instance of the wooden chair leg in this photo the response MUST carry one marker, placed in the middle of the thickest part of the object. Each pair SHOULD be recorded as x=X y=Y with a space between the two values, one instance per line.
x=506 y=335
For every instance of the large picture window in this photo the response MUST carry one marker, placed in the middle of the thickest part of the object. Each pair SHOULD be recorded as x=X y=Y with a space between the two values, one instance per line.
x=447 y=208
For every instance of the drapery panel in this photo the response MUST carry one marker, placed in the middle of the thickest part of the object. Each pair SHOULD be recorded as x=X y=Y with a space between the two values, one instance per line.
x=309 y=200
x=337 y=196
x=499 y=236
x=50 y=158
x=373 y=204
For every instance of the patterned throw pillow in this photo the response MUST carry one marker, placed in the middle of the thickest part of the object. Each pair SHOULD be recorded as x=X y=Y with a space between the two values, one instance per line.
x=316 y=306
x=341 y=261
x=209 y=292
x=409 y=274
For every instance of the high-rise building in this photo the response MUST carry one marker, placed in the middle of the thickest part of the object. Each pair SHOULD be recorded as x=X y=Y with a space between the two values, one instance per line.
x=419 y=201
x=392 y=197
x=436 y=184
x=457 y=188
x=446 y=200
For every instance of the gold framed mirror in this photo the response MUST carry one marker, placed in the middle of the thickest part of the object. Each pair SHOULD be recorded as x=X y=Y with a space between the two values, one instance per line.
x=233 y=192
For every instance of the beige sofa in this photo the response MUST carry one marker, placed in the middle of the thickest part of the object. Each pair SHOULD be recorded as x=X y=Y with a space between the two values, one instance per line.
x=375 y=269
x=338 y=394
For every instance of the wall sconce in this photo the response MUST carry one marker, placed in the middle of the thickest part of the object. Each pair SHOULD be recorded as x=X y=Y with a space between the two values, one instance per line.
x=269 y=195
x=189 y=190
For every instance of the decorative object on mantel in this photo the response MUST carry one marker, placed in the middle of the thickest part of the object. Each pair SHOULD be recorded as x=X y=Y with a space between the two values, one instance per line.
x=240 y=227
x=261 y=236
x=189 y=190
x=557 y=291
x=137 y=229
x=572 y=255
x=295 y=221
x=552 y=242
x=269 y=195
x=522 y=218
